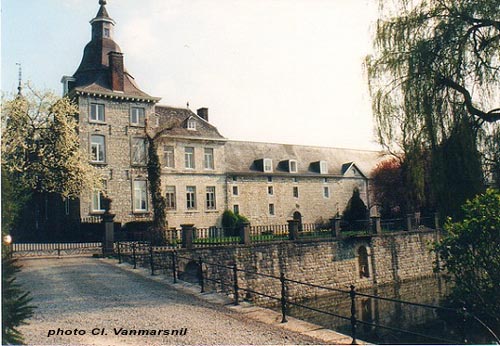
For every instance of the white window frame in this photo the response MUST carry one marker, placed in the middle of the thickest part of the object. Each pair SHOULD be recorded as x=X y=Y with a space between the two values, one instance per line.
x=326 y=191
x=295 y=192
x=210 y=202
x=267 y=165
x=170 y=197
x=191 y=124
x=140 y=196
x=208 y=158
x=270 y=190
x=323 y=167
x=272 y=209
x=98 y=109
x=292 y=166
x=95 y=147
x=236 y=191
x=136 y=118
x=169 y=156
x=139 y=147
x=189 y=158
x=190 y=197
x=236 y=208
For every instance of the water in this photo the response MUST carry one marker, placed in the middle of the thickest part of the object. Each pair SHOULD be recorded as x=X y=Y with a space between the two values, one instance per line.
x=435 y=327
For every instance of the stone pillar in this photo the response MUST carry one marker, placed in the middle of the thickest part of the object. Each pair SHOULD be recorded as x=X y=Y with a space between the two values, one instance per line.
x=109 y=233
x=293 y=229
x=335 y=225
x=408 y=222
x=245 y=233
x=436 y=221
x=187 y=236
x=377 y=228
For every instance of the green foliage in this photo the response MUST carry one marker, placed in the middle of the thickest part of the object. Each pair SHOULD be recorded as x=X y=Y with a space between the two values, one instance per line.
x=14 y=199
x=16 y=306
x=158 y=200
x=356 y=208
x=470 y=254
x=231 y=222
x=388 y=188
x=435 y=71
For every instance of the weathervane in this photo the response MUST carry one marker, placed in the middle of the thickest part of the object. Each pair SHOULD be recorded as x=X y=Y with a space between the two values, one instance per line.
x=19 y=87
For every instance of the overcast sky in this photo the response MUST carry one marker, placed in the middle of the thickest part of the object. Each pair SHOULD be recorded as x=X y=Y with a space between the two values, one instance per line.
x=285 y=71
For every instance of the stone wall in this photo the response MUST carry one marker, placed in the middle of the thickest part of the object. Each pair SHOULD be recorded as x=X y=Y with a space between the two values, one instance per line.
x=330 y=263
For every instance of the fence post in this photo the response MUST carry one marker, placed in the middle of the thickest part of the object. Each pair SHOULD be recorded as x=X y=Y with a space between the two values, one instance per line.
x=174 y=265
x=151 y=259
x=236 y=288
x=283 y=298
x=202 y=282
x=133 y=255
x=109 y=232
x=377 y=228
x=118 y=246
x=187 y=236
x=58 y=250
x=293 y=229
x=352 y=294
x=408 y=221
x=245 y=233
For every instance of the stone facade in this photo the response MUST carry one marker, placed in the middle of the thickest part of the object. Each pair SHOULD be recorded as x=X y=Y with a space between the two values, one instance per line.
x=268 y=183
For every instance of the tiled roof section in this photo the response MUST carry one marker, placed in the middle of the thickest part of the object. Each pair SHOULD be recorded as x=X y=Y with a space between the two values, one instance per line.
x=176 y=119
x=103 y=13
x=241 y=157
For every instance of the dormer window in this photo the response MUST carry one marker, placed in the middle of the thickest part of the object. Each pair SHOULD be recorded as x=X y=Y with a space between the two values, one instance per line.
x=191 y=124
x=106 y=33
x=323 y=167
x=268 y=165
x=292 y=166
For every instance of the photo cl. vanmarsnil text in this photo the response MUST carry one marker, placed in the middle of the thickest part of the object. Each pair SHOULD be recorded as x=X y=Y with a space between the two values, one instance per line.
x=118 y=332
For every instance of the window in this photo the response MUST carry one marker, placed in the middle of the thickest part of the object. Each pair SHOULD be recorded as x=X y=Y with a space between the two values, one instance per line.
x=98 y=199
x=323 y=167
x=96 y=112
x=210 y=197
x=191 y=124
x=292 y=166
x=364 y=269
x=97 y=148
x=189 y=157
x=209 y=158
x=269 y=179
x=295 y=179
x=326 y=192
x=168 y=156
x=296 y=191
x=191 y=197
x=236 y=209
x=137 y=116
x=106 y=32
x=271 y=209
x=235 y=191
x=170 y=198
x=138 y=151
x=235 y=178
x=140 y=196
x=270 y=190
x=268 y=165
x=325 y=180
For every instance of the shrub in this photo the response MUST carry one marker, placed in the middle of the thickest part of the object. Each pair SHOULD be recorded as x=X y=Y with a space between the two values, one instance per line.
x=356 y=208
x=232 y=222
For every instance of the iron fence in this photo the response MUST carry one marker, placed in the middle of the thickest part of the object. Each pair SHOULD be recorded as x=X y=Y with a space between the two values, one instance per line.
x=228 y=281
x=54 y=249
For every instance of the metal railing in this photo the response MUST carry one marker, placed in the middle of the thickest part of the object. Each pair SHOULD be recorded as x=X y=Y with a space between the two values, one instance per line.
x=228 y=281
x=54 y=249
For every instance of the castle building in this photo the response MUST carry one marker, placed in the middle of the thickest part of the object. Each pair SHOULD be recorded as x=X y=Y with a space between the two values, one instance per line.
x=203 y=173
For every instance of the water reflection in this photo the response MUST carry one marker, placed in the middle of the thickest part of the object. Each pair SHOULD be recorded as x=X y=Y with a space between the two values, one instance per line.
x=434 y=326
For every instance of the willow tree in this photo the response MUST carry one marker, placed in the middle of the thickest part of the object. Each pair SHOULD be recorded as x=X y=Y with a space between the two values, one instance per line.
x=434 y=80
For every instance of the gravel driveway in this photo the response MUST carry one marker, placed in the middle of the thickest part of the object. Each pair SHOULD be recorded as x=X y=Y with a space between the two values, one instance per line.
x=91 y=296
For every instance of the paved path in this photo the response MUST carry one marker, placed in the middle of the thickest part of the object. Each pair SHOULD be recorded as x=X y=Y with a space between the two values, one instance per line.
x=88 y=294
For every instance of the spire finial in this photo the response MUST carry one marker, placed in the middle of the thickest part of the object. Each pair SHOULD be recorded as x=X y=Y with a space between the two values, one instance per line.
x=20 y=86
x=102 y=2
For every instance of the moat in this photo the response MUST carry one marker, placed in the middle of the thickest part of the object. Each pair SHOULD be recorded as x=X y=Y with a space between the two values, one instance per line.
x=436 y=327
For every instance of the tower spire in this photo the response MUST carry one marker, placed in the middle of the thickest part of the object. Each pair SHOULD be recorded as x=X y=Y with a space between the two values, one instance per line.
x=20 y=75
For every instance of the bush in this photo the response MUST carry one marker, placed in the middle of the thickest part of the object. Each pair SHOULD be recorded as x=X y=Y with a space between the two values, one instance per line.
x=232 y=222
x=16 y=306
x=356 y=208
x=469 y=253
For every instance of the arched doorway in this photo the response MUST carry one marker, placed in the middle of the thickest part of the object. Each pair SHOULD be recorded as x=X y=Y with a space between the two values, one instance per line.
x=364 y=270
x=298 y=217
x=191 y=273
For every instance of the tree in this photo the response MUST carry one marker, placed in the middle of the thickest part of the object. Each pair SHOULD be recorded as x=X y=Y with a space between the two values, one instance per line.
x=16 y=306
x=157 y=199
x=356 y=209
x=469 y=254
x=41 y=150
x=435 y=77
x=388 y=188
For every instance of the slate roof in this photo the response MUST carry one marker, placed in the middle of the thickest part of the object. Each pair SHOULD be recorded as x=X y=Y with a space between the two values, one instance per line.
x=241 y=157
x=176 y=119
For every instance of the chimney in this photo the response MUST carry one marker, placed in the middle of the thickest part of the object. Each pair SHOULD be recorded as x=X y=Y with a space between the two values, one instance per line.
x=116 y=70
x=203 y=113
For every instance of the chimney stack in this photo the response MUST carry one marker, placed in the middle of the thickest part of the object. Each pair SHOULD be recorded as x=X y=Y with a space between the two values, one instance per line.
x=116 y=70
x=203 y=113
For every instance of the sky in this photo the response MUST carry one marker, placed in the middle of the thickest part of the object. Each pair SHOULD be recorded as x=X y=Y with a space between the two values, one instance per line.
x=279 y=71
